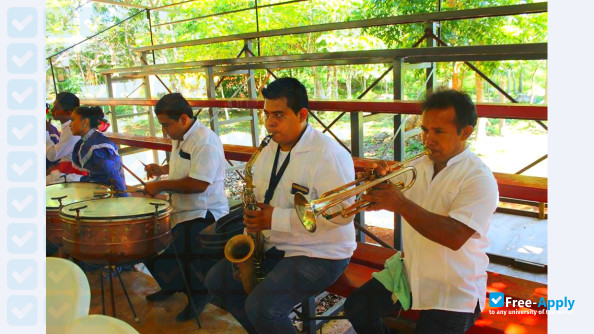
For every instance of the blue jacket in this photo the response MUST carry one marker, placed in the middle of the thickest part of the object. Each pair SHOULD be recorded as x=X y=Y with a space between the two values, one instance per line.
x=98 y=156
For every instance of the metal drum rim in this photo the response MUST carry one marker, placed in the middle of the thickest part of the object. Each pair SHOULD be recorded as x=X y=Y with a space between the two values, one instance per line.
x=57 y=208
x=72 y=217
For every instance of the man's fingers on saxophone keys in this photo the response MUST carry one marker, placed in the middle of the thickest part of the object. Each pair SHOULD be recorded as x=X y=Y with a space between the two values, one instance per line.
x=258 y=220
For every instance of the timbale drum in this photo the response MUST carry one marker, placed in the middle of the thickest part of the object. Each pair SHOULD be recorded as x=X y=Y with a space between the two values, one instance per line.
x=61 y=194
x=116 y=230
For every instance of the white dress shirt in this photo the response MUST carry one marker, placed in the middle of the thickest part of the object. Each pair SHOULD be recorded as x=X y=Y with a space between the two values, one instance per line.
x=200 y=156
x=320 y=164
x=441 y=278
x=63 y=149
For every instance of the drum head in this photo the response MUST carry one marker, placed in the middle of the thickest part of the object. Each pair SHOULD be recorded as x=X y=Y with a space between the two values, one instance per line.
x=74 y=192
x=116 y=208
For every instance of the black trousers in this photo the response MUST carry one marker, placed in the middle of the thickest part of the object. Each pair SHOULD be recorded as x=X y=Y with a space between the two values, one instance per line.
x=195 y=260
x=367 y=305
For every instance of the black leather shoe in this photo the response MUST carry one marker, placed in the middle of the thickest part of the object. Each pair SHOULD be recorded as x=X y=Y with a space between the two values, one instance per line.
x=159 y=295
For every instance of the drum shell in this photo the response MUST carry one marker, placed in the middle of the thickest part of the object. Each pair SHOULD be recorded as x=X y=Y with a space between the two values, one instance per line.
x=53 y=229
x=116 y=241
x=53 y=220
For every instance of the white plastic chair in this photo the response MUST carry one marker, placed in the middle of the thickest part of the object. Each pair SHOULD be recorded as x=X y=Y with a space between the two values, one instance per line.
x=68 y=294
x=100 y=324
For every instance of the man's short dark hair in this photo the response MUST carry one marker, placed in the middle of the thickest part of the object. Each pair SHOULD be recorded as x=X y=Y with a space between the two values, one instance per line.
x=289 y=88
x=174 y=105
x=68 y=101
x=463 y=105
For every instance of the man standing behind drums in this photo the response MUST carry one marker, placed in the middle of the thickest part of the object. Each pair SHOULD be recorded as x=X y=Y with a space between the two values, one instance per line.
x=297 y=264
x=446 y=215
x=61 y=152
x=196 y=175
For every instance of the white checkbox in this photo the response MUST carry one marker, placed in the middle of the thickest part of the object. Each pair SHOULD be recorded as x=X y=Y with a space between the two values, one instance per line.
x=21 y=277
x=21 y=25
x=21 y=313
x=20 y=170
x=20 y=97
x=20 y=134
x=21 y=241
x=20 y=206
x=21 y=61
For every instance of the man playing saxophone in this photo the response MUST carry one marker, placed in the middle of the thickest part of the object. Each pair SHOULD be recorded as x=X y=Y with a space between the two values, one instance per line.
x=297 y=263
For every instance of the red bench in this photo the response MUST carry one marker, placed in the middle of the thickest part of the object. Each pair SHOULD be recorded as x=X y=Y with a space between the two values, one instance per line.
x=368 y=259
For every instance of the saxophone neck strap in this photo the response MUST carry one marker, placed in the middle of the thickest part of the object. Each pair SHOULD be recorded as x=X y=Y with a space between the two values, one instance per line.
x=276 y=177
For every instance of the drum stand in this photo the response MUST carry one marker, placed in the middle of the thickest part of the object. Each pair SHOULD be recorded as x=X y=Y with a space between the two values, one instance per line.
x=186 y=284
x=113 y=268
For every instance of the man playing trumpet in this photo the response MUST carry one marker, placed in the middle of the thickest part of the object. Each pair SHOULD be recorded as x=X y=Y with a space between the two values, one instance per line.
x=297 y=263
x=446 y=215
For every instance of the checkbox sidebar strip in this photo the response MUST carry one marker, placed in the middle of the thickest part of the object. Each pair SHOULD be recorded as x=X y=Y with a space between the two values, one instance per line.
x=22 y=166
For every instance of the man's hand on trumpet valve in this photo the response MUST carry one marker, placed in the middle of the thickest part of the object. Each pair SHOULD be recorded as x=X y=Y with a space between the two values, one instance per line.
x=153 y=170
x=256 y=221
x=385 y=196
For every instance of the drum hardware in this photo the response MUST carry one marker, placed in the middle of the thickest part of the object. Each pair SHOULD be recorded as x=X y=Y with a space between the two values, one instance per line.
x=59 y=195
x=59 y=199
x=78 y=211
x=156 y=214
x=113 y=231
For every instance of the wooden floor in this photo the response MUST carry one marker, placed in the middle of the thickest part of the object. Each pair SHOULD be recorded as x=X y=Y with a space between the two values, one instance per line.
x=156 y=317
x=514 y=236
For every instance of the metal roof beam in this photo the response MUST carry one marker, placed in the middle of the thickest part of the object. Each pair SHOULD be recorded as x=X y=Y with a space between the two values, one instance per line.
x=121 y=3
x=411 y=55
x=533 y=8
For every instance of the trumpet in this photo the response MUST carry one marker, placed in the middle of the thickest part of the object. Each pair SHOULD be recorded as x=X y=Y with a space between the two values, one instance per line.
x=309 y=211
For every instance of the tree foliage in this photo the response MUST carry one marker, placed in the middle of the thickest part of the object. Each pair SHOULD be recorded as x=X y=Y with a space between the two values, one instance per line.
x=69 y=22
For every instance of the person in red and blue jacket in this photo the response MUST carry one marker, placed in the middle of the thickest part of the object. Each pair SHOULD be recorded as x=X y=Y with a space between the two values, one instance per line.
x=95 y=153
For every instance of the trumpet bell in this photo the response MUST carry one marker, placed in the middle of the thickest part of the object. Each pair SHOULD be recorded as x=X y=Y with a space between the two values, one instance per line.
x=304 y=212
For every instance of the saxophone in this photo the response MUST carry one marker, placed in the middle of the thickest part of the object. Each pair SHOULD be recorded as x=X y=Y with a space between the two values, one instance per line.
x=247 y=251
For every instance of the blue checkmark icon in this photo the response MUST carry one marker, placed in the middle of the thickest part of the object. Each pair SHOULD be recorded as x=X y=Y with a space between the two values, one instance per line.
x=22 y=58
x=22 y=94
x=21 y=238
x=496 y=299
x=21 y=22
x=22 y=310
x=22 y=202
x=21 y=130
x=21 y=166
x=22 y=274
